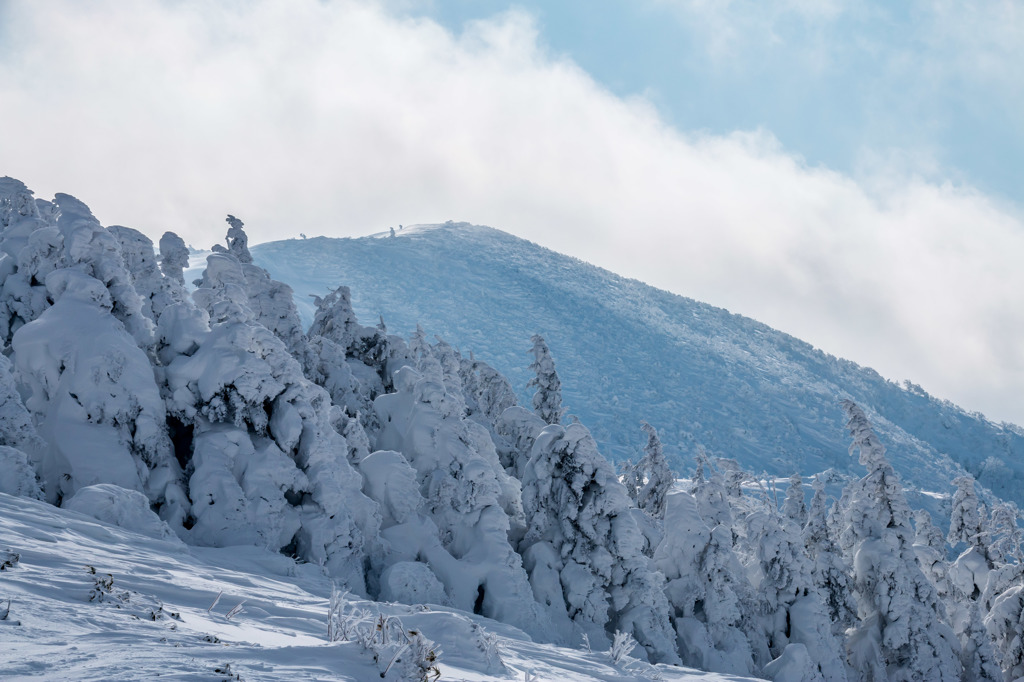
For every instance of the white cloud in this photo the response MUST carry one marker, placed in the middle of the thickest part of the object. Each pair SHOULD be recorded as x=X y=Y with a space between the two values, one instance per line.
x=339 y=118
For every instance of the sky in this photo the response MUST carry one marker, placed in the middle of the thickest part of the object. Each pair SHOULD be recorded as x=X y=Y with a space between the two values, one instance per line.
x=847 y=172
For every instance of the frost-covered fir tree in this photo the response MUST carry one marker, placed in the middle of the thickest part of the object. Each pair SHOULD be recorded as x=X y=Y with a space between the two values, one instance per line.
x=713 y=498
x=21 y=448
x=369 y=350
x=792 y=609
x=265 y=464
x=969 y=525
x=830 y=572
x=487 y=391
x=547 y=401
x=156 y=290
x=704 y=581
x=977 y=653
x=173 y=257
x=1005 y=625
x=1007 y=537
x=930 y=548
x=465 y=494
x=902 y=632
x=582 y=548
x=270 y=301
x=89 y=385
x=794 y=508
x=652 y=475
x=238 y=241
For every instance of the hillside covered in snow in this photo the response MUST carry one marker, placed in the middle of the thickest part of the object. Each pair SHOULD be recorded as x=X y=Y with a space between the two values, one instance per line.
x=195 y=482
x=628 y=352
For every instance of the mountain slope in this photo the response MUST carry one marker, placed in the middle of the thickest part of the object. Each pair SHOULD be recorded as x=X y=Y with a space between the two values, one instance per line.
x=627 y=352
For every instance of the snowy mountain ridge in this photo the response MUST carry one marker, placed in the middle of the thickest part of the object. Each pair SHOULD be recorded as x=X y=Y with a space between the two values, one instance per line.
x=628 y=352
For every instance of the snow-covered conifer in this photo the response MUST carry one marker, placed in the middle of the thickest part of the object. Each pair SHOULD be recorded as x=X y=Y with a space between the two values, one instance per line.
x=1007 y=537
x=967 y=522
x=708 y=486
x=173 y=257
x=516 y=430
x=156 y=290
x=656 y=475
x=87 y=246
x=977 y=653
x=582 y=547
x=1005 y=625
x=969 y=525
x=793 y=610
x=704 y=584
x=466 y=495
x=794 y=508
x=830 y=572
x=25 y=257
x=266 y=464
x=930 y=548
x=901 y=633
x=237 y=240
x=488 y=392
x=547 y=401
x=93 y=393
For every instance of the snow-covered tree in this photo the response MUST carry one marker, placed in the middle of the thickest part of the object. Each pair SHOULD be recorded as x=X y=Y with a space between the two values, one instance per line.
x=265 y=462
x=830 y=572
x=793 y=610
x=488 y=392
x=794 y=508
x=370 y=348
x=967 y=519
x=95 y=251
x=1007 y=537
x=547 y=401
x=654 y=475
x=582 y=547
x=237 y=240
x=1005 y=625
x=465 y=494
x=977 y=653
x=704 y=581
x=21 y=448
x=930 y=548
x=156 y=290
x=708 y=486
x=173 y=257
x=902 y=632
x=969 y=525
x=93 y=393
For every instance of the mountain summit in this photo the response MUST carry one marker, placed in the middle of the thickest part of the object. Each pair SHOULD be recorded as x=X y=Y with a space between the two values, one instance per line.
x=628 y=352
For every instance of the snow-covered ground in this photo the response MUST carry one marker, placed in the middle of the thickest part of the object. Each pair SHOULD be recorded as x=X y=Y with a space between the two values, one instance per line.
x=92 y=601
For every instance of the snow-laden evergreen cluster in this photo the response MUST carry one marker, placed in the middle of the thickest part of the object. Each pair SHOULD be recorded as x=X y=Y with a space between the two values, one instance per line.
x=410 y=474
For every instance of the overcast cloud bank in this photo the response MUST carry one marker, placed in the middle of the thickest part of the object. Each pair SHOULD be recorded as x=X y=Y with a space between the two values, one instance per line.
x=344 y=118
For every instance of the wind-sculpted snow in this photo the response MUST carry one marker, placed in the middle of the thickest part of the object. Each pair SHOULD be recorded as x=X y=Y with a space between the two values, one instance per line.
x=92 y=601
x=628 y=352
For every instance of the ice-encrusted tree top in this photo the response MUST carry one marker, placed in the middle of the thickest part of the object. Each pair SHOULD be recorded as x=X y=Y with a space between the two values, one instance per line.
x=173 y=256
x=967 y=523
x=335 y=319
x=238 y=241
x=649 y=480
x=794 y=508
x=902 y=627
x=547 y=401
